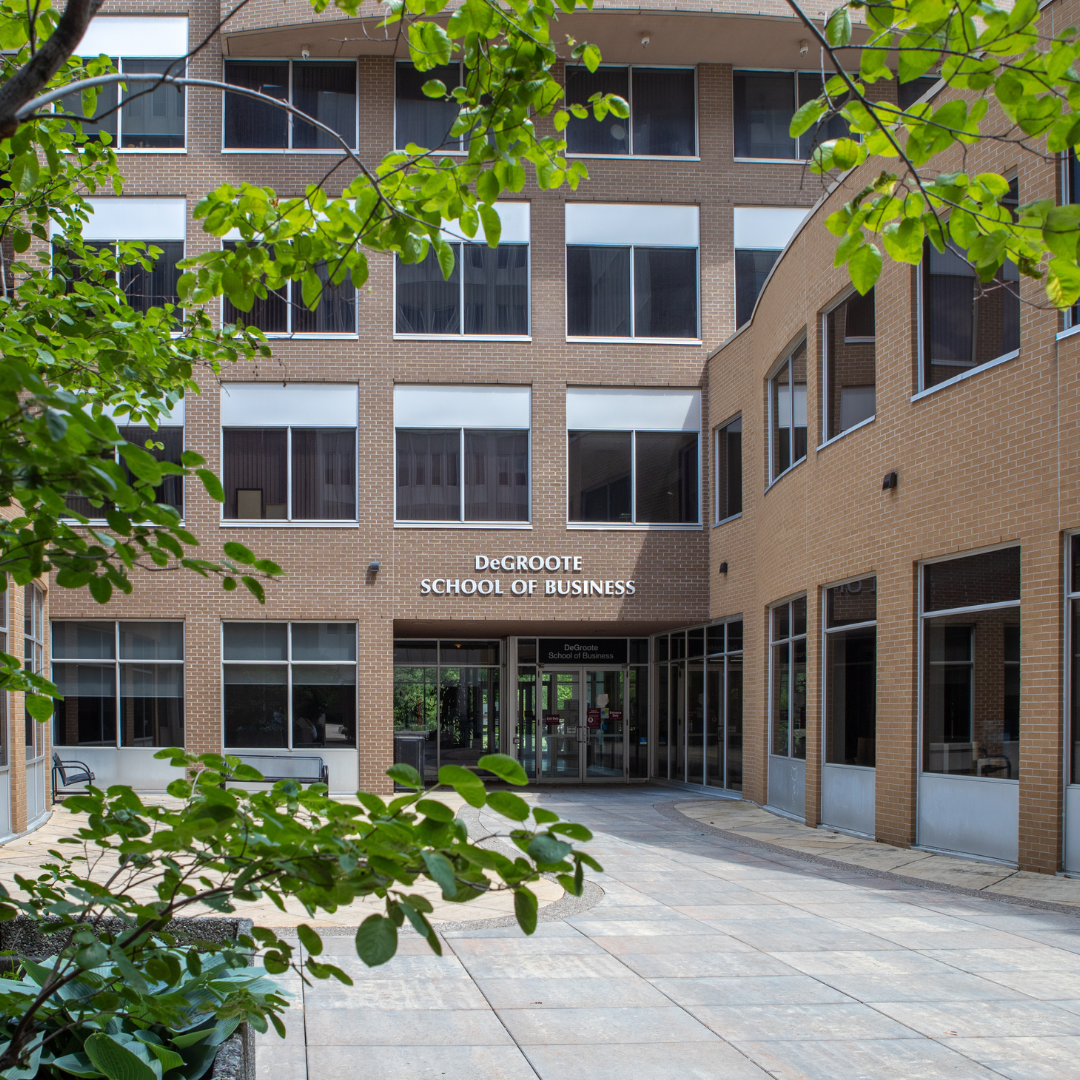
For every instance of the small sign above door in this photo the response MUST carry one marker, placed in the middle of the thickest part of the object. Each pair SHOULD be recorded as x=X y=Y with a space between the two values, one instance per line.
x=582 y=651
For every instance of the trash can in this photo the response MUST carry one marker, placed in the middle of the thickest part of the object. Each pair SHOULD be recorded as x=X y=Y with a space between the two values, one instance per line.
x=409 y=749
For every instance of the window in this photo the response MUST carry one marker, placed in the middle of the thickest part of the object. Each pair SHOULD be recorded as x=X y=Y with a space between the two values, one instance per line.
x=851 y=673
x=1073 y=765
x=761 y=233
x=632 y=456
x=662 y=119
x=728 y=470
x=148 y=119
x=4 y=612
x=449 y=466
x=1071 y=194
x=965 y=324
x=765 y=102
x=787 y=413
x=322 y=89
x=284 y=312
x=724 y=705
x=487 y=294
x=289 y=452
x=144 y=288
x=34 y=660
x=848 y=367
x=123 y=683
x=910 y=92
x=289 y=685
x=971 y=665
x=446 y=703
x=424 y=121
x=631 y=271
x=787 y=663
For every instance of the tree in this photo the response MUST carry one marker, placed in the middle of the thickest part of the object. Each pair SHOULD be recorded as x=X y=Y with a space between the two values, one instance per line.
x=1015 y=86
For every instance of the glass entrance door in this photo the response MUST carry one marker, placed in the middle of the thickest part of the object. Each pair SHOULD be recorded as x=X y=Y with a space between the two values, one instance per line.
x=560 y=717
x=605 y=725
x=581 y=725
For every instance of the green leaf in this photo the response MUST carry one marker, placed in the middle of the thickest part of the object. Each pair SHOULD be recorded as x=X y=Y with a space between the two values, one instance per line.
x=546 y=849
x=525 y=909
x=39 y=707
x=406 y=776
x=838 y=28
x=492 y=224
x=434 y=88
x=591 y=57
x=806 y=117
x=466 y=783
x=573 y=830
x=904 y=240
x=865 y=267
x=169 y=1059
x=309 y=939
x=212 y=484
x=442 y=872
x=433 y=809
x=115 y=1061
x=488 y=186
x=239 y=553
x=846 y=153
x=376 y=940
x=505 y=768
x=509 y=805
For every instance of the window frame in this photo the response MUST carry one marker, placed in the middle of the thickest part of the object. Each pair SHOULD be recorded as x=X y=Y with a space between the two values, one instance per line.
x=717 y=432
x=5 y=696
x=696 y=156
x=1068 y=165
x=525 y=338
x=290 y=60
x=36 y=662
x=790 y=640
x=823 y=373
x=289 y=663
x=773 y=477
x=115 y=662
x=1070 y=732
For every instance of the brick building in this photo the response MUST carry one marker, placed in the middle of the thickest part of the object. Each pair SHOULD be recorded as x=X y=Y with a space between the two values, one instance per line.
x=556 y=506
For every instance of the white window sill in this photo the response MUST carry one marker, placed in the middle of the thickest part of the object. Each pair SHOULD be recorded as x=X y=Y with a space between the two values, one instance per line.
x=308 y=337
x=966 y=375
x=121 y=150
x=1068 y=332
x=462 y=524
x=451 y=153
x=275 y=523
x=725 y=521
x=464 y=337
x=635 y=157
x=780 y=476
x=771 y=161
x=101 y=523
x=278 y=151
x=848 y=431
x=615 y=526
x=632 y=341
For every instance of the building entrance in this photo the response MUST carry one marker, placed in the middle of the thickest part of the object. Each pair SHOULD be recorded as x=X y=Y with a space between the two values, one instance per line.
x=582 y=725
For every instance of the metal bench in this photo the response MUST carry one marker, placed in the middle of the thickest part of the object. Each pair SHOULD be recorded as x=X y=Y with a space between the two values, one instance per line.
x=274 y=767
x=69 y=772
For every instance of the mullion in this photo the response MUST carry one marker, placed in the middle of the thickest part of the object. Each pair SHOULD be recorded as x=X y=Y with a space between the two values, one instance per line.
x=289 y=121
x=288 y=486
x=461 y=474
x=633 y=295
x=633 y=472
x=630 y=139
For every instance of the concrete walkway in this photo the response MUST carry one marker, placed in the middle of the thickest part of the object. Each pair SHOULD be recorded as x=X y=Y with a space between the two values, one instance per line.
x=709 y=958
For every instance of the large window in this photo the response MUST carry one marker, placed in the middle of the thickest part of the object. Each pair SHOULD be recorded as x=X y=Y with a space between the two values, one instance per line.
x=1073 y=766
x=787 y=677
x=728 y=469
x=851 y=673
x=632 y=272
x=150 y=117
x=965 y=324
x=632 y=457
x=1070 y=183
x=446 y=703
x=662 y=119
x=289 y=685
x=848 y=365
x=299 y=463
x=123 y=683
x=34 y=660
x=487 y=293
x=765 y=102
x=4 y=614
x=971 y=665
x=424 y=121
x=322 y=89
x=787 y=413
x=761 y=233
x=451 y=466
x=284 y=312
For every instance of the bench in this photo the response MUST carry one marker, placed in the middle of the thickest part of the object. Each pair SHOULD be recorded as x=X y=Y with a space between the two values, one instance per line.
x=274 y=767
x=70 y=772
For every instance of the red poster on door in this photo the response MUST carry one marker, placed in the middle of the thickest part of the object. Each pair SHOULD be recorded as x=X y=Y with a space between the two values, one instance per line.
x=593 y=718
x=615 y=716
x=552 y=718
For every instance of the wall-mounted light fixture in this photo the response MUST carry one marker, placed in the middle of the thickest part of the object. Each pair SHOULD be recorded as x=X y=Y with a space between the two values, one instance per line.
x=723 y=568
x=373 y=566
x=891 y=481
x=645 y=39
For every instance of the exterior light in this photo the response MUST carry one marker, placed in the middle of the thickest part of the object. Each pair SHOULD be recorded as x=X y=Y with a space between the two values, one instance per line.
x=889 y=482
x=373 y=566
x=723 y=568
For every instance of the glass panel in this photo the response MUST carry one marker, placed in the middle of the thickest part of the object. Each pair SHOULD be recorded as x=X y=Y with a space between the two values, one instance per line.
x=324 y=474
x=1074 y=738
x=428 y=303
x=851 y=375
x=470 y=652
x=714 y=726
x=735 y=636
x=764 y=105
x=152 y=118
x=597 y=291
x=105 y=107
x=663 y=112
x=416 y=712
x=151 y=704
x=560 y=710
x=798 y=403
x=607 y=136
x=780 y=416
x=496 y=289
x=87 y=714
x=255 y=474
x=152 y=641
x=678 y=645
x=910 y=92
x=662 y=647
x=171 y=490
x=526 y=649
x=605 y=721
x=324 y=641
x=599 y=481
x=810 y=87
x=251 y=124
x=83 y=640
x=639 y=650
x=971 y=697
x=729 y=470
x=798 y=616
x=678 y=721
x=468 y=714
x=422 y=120
x=324 y=705
x=667 y=477
x=336 y=311
x=637 y=721
x=798 y=699
x=665 y=292
x=695 y=723
x=734 y=722
x=852 y=602
x=416 y=652
x=751 y=270
x=428 y=475
x=715 y=639
x=851 y=697
x=990 y=578
x=496 y=476
x=156 y=287
x=526 y=719
x=254 y=641
x=1074 y=585
x=781 y=698
x=270 y=313
x=781 y=622
x=662 y=740
x=327 y=93
x=695 y=640
x=256 y=705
